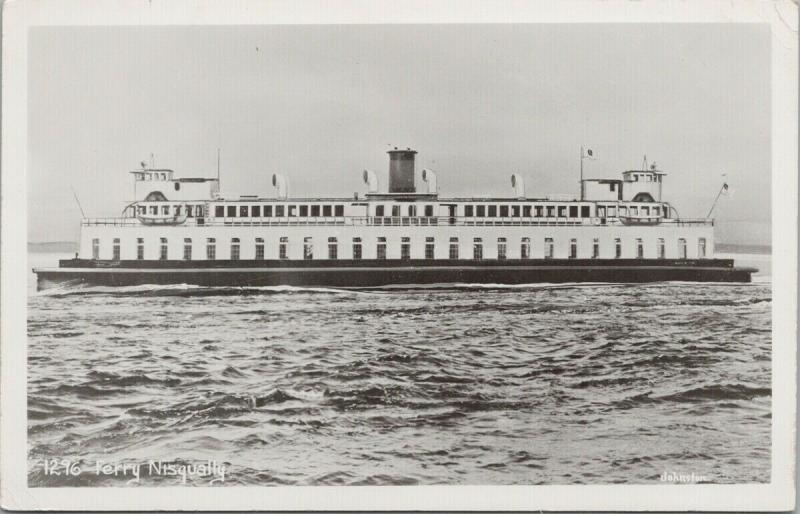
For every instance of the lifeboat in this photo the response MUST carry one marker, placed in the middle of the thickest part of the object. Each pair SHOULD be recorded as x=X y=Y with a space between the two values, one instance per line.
x=640 y=220
x=161 y=219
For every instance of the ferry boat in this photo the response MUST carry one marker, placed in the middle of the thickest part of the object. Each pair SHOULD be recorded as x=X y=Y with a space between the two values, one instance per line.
x=183 y=231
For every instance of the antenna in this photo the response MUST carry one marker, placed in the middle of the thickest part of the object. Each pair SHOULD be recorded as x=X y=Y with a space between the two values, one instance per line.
x=77 y=201
x=152 y=161
x=217 y=167
x=644 y=162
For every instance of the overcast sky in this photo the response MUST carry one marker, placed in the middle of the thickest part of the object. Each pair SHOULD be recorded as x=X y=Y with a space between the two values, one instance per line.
x=479 y=102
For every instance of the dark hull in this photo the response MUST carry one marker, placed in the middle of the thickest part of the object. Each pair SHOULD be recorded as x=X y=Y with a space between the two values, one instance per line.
x=375 y=273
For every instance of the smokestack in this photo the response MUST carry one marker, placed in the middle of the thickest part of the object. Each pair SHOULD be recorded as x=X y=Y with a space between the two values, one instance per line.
x=401 y=171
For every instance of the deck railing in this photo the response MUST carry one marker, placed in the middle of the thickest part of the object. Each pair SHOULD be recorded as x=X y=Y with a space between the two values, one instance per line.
x=395 y=221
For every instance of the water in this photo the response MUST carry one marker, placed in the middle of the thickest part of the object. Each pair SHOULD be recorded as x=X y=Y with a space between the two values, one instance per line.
x=546 y=384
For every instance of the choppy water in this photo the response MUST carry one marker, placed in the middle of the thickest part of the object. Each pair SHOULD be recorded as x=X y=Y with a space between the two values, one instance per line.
x=468 y=385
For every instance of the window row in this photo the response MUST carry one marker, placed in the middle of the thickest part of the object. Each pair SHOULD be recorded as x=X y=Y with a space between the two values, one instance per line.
x=331 y=248
x=278 y=211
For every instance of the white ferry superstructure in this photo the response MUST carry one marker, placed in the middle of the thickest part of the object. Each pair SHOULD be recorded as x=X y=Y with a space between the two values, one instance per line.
x=182 y=230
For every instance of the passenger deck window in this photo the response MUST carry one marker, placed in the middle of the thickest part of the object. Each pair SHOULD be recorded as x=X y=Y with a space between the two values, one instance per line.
x=304 y=211
x=481 y=211
x=515 y=211
x=492 y=211
x=279 y=211
x=243 y=211
x=219 y=211
x=504 y=211
x=231 y=211
x=573 y=211
x=255 y=211
x=327 y=212
x=586 y=211
x=267 y=211
x=315 y=211
x=526 y=211
x=469 y=211
x=453 y=251
x=338 y=211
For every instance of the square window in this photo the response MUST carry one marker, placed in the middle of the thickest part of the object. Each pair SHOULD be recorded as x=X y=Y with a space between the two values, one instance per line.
x=243 y=211
x=492 y=211
x=469 y=211
x=279 y=211
x=327 y=211
x=573 y=211
x=304 y=211
x=315 y=211
x=481 y=211
x=338 y=210
x=231 y=211
x=219 y=211
x=255 y=211
x=504 y=211
x=267 y=211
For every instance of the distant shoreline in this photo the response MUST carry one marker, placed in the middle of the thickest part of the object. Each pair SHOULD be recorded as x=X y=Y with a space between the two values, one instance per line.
x=72 y=247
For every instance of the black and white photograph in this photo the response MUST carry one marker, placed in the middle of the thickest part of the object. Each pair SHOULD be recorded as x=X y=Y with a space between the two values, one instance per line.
x=287 y=247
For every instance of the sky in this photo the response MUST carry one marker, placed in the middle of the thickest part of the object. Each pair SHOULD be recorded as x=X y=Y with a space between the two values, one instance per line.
x=478 y=102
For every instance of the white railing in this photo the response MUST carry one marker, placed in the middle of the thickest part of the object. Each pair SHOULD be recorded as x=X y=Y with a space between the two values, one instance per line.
x=393 y=221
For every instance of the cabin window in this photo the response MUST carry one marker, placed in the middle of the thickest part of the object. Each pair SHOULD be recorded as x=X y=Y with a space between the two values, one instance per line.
x=639 y=249
x=701 y=248
x=469 y=211
x=177 y=186
x=379 y=210
x=211 y=248
x=177 y=210
x=515 y=211
x=219 y=211
x=492 y=211
x=154 y=209
x=501 y=248
x=477 y=248
x=357 y=248
x=645 y=211
x=279 y=211
x=661 y=248
x=292 y=211
x=308 y=248
x=525 y=248
x=429 y=210
x=453 y=252
x=601 y=211
x=634 y=210
x=623 y=210
x=562 y=211
x=115 y=249
x=549 y=248
x=480 y=211
x=165 y=209
x=405 y=248
x=551 y=211
x=612 y=187
x=595 y=248
x=164 y=250
x=315 y=211
x=187 y=248
x=526 y=211
x=142 y=209
x=140 y=248
x=412 y=211
x=259 y=248
x=612 y=211
x=327 y=211
x=618 y=248
x=381 y=249
x=573 y=211
x=235 y=253
x=189 y=212
x=333 y=248
x=304 y=211
x=573 y=248
x=243 y=211
x=267 y=211
x=585 y=211
x=231 y=211
x=255 y=211
x=283 y=248
x=504 y=211
x=395 y=211
x=338 y=210
x=429 y=248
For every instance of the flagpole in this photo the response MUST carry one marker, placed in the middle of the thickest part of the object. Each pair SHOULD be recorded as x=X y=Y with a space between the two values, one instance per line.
x=715 y=201
x=582 y=195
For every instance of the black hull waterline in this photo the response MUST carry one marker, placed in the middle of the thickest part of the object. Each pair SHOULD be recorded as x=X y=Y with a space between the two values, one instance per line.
x=376 y=273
